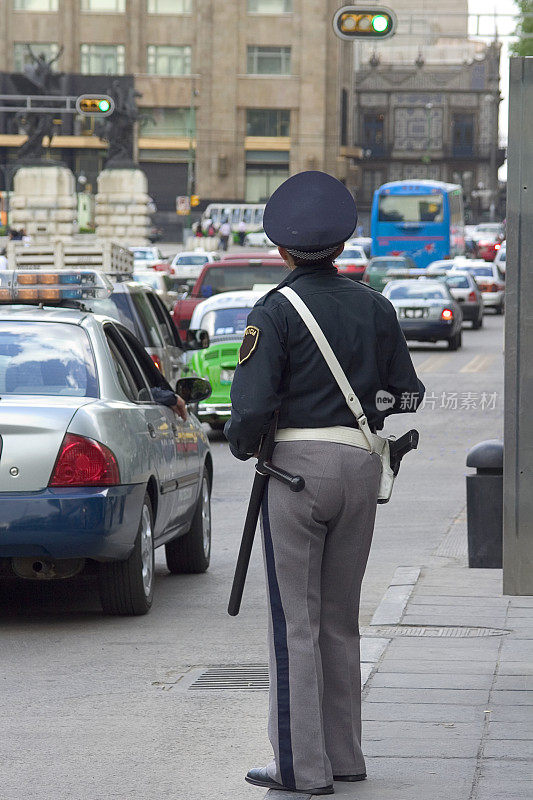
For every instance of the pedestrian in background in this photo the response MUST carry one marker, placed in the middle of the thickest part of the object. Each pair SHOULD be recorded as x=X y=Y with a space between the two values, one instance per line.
x=225 y=232
x=316 y=542
x=3 y=259
x=242 y=232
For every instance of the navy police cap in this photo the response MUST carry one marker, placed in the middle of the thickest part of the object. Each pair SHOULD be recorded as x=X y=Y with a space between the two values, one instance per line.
x=310 y=212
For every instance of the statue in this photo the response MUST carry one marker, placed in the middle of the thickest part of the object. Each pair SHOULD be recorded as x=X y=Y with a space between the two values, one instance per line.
x=118 y=129
x=37 y=126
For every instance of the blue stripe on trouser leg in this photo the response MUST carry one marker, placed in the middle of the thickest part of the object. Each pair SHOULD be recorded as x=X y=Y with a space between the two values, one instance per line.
x=279 y=626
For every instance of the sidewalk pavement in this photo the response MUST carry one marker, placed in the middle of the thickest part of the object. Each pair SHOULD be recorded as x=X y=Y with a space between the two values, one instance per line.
x=448 y=707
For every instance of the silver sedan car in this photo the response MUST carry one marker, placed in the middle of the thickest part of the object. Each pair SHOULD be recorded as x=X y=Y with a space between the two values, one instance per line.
x=94 y=472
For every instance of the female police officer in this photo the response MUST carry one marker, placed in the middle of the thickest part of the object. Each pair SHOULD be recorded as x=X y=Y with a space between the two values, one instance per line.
x=316 y=543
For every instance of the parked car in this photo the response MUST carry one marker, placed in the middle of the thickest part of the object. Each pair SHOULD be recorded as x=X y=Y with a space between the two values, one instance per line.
x=224 y=318
x=144 y=257
x=230 y=275
x=491 y=281
x=501 y=258
x=257 y=239
x=464 y=289
x=167 y=287
x=426 y=311
x=378 y=268
x=140 y=309
x=95 y=473
x=352 y=262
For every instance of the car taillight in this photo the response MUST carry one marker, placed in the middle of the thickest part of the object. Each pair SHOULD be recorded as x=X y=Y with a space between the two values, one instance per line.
x=157 y=361
x=84 y=462
x=497 y=246
x=447 y=313
x=472 y=297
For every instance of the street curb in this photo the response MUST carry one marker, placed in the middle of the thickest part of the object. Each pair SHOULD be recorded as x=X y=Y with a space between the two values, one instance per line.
x=393 y=603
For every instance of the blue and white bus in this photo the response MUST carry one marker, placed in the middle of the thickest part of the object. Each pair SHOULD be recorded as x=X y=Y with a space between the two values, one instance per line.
x=422 y=219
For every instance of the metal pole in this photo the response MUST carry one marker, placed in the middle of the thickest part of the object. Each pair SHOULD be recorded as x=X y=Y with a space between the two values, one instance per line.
x=518 y=430
x=493 y=146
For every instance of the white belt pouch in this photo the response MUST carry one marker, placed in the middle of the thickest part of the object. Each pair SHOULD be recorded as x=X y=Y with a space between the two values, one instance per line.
x=364 y=437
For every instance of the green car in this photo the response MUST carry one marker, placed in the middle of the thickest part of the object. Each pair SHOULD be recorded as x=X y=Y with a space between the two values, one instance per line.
x=224 y=317
x=376 y=273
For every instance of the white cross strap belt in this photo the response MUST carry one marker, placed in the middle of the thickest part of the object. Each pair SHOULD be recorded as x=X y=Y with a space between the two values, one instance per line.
x=331 y=360
x=336 y=433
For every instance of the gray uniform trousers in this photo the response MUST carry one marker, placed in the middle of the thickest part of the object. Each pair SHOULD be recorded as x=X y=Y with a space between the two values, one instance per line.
x=316 y=546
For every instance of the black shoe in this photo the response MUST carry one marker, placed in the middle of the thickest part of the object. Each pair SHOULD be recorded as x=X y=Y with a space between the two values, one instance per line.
x=347 y=778
x=260 y=777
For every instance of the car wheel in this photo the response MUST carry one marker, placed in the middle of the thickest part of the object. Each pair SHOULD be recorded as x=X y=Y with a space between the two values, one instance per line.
x=192 y=552
x=127 y=587
x=217 y=426
x=455 y=342
x=477 y=323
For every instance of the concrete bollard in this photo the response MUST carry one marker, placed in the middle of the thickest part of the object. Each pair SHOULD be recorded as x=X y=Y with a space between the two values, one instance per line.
x=484 y=505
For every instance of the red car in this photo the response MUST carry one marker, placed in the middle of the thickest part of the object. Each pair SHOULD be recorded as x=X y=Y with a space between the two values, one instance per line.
x=487 y=250
x=230 y=275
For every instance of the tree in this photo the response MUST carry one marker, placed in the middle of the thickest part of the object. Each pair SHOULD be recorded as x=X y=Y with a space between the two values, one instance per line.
x=524 y=46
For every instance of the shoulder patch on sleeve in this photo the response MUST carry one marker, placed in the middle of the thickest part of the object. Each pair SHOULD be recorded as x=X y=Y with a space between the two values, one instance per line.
x=249 y=343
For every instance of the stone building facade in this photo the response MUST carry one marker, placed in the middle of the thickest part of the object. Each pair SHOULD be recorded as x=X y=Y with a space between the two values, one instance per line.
x=238 y=94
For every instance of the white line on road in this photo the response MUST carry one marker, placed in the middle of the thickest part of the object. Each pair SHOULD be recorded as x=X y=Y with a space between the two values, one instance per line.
x=433 y=363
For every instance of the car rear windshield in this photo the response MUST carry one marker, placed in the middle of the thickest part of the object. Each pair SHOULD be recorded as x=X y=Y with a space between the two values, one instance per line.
x=386 y=264
x=47 y=358
x=143 y=255
x=412 y=292
x=194 y=260
x=484 y=272
x=354 y=253
x=232 y=279
x=410 y=208
x=116 y=306
x=226 y=321
x=457 y=282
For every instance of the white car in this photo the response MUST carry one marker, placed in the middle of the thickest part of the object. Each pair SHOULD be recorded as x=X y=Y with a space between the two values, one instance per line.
x=146 y=257
x=352 y=262
x=489 y=278
x=257 y=239
x=361 y=241
x=188 y=264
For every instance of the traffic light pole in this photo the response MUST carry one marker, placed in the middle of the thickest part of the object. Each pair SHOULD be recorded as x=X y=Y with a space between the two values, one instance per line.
x=518 y=429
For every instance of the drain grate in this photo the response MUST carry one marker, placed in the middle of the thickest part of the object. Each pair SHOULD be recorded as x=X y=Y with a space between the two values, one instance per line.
x=250 y=677
x=444 y=631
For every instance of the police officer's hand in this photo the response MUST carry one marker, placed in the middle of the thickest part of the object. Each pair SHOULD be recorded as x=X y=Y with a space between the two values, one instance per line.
x=180 y=409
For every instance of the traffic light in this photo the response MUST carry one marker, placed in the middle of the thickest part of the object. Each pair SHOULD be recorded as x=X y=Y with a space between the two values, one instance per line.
x=355 y=22
x=195 y=200
x=95 y=105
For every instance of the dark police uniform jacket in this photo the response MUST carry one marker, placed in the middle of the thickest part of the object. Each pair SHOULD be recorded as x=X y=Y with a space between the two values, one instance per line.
x=285 y=369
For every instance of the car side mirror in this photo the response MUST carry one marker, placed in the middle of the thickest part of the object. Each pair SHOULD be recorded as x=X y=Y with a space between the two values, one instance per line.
x=197 y=339
x=193 y=390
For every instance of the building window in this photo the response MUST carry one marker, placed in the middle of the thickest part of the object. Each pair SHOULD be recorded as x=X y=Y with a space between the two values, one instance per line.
x=372 y=180
x=269 y=60
x=265 y=171
x=374 y=133
x=168 y=122
x=102 y=59
x=165 y=59
x=35 y=5
x=463 y=135
x=104 y=6
x=268 y=122
x=269 y=6
x=169 y=6
x=22 y=56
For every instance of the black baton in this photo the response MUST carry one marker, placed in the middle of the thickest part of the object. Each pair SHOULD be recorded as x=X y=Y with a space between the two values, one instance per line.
x=263 y=470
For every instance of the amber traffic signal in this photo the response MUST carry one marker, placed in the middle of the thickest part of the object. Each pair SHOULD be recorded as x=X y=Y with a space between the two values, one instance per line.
x=357 y=22
x=95 y=105
x=195 y=200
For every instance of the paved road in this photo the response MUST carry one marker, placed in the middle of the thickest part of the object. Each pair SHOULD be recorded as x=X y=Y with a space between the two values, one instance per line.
x=96 y=707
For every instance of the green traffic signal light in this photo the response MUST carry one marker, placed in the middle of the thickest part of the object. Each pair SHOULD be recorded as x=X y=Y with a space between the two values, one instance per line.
x=95 y=105
x=356 y=22
x=380 y=23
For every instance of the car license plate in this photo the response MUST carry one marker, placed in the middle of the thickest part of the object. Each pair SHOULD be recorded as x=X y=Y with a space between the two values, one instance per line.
x=412 y=313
